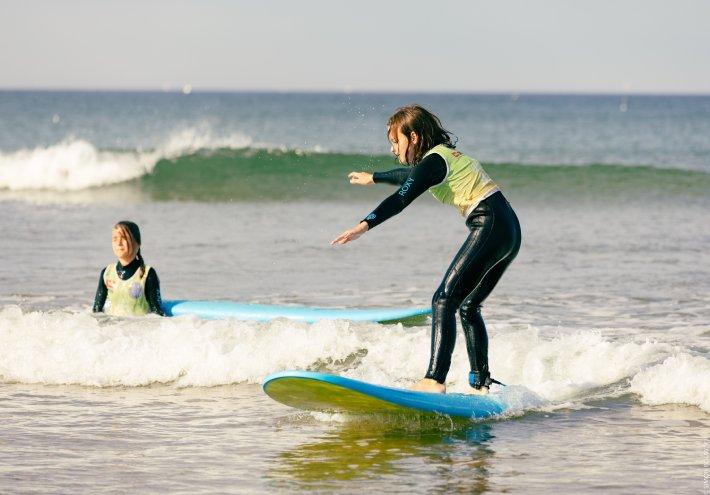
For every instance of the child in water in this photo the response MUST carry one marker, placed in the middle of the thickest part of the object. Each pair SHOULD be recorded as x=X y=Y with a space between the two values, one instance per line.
x=418 y=139
x=131 y=286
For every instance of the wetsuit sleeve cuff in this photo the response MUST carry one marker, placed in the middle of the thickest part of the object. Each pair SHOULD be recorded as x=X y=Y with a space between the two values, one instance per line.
x=371 y=221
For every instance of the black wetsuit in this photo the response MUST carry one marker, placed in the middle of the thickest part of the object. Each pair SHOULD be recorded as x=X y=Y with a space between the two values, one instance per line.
x=152 y=287
x=493 y=242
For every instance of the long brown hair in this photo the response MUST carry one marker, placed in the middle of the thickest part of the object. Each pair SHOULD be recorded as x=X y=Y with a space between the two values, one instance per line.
x=417 y=119
x=132 y=234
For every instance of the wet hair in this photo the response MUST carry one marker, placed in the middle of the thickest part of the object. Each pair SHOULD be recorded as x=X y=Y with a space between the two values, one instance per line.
x=417 y=119
x=132 y=233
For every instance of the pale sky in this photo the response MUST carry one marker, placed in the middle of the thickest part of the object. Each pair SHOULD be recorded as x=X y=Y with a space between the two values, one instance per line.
x=358 y=45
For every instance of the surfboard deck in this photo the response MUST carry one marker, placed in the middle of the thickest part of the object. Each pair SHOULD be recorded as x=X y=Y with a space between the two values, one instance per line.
x=323 y=392
x=265 y=312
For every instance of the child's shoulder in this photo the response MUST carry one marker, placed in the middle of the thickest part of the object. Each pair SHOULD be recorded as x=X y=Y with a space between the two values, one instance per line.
x=150 y=271
x=446 y=152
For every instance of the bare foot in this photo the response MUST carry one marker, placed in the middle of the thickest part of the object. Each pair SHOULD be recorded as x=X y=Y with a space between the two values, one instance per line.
x=478 y=391
x=429 y=385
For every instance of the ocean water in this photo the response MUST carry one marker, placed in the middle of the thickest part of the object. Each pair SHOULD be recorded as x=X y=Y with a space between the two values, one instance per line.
x=601 y=325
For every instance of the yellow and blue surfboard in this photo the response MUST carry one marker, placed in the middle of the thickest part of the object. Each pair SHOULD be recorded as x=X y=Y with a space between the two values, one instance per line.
x=312 y=391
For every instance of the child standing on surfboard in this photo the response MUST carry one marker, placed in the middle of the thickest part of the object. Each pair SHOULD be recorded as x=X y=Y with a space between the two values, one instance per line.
x=418 y=139
x=131 y=287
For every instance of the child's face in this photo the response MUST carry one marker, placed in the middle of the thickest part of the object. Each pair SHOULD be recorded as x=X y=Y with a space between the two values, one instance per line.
x=399 y=143
x=120 y=245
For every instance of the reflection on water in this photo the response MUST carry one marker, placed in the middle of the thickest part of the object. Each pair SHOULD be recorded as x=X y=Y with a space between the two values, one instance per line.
x=235 y=439
x=371 y=449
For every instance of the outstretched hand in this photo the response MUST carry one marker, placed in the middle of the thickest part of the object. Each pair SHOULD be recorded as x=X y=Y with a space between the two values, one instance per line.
x=361 y=178
x=351 y=234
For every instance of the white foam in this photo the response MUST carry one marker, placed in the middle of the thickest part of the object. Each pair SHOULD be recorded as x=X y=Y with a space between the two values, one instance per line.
x=70 y=166
x=193 y=139
x=77 y=348
x=69 y=347
x=76 y=164
x=568 y=365
x=679 y=379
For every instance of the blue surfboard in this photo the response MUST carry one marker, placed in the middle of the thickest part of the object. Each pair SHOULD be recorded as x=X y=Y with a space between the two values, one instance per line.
x=331 y=393
x=264 y=312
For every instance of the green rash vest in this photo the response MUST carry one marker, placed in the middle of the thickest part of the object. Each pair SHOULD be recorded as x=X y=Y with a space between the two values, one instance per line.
x=126 y=297
x=466 y=183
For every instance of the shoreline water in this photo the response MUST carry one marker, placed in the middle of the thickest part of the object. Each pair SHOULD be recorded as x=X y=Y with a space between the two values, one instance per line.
x=196 y=440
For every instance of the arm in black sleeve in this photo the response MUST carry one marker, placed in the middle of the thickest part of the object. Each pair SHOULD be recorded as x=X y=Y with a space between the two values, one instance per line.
x=396 y=177
x=429 y=172
x=152 y=293
x=101 y=293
